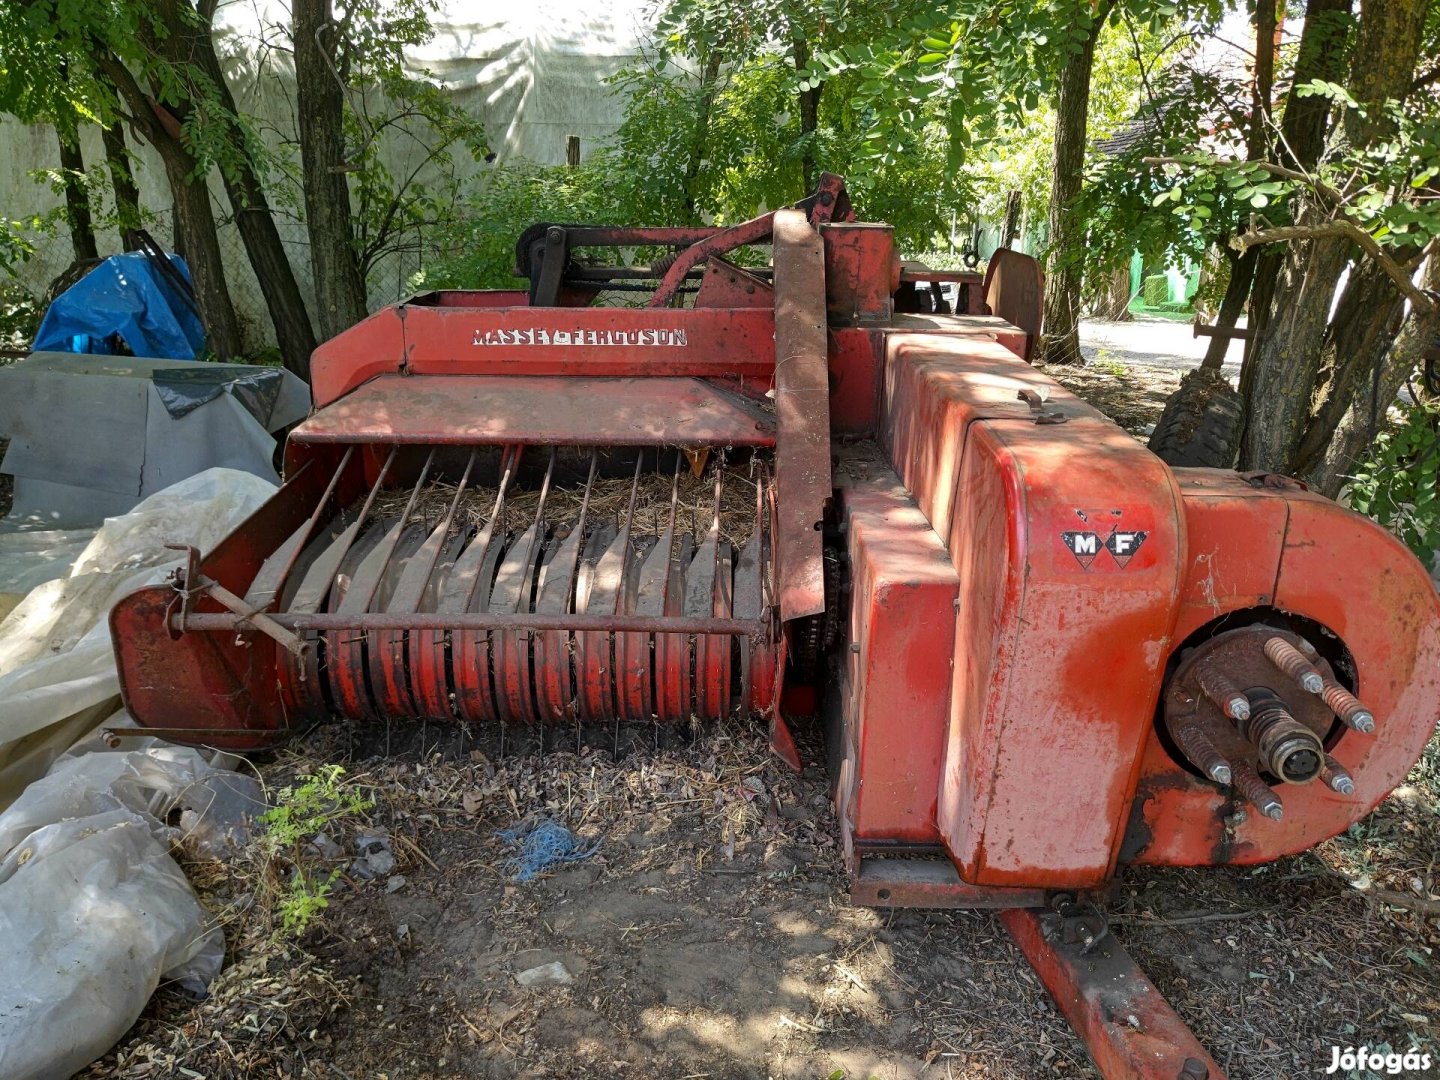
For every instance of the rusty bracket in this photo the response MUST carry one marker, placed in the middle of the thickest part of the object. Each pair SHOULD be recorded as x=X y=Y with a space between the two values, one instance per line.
x=1036 y=400
x=190 y=583
x=112 y=737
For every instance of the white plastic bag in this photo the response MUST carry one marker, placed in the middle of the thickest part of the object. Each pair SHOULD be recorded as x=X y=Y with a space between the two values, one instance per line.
x=93 y=915
x=94 y=912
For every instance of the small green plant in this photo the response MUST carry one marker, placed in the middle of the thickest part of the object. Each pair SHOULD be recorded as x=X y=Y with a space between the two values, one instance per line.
x=1109 y=365
x=1396 y=482
x=316 y=803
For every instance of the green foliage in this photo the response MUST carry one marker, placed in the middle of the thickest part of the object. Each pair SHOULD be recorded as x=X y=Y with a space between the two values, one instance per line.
x=319 y=802
x=476 y=249
x=20 y=313
x=405 y=135
x=1395 y=483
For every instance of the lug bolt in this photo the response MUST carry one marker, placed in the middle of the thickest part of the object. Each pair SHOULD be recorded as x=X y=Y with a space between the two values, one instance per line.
x=1337 y=777
x=1292 y=662
x=1226 y=696
x=1201 y=752
x=1257 y=792
x=1348 y=708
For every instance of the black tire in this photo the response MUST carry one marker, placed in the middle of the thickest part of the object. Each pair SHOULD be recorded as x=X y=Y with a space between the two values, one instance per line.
x=1200 y=427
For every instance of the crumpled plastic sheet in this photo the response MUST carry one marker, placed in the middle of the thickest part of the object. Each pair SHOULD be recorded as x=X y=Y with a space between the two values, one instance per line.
x=94 y=912
x=57 y=666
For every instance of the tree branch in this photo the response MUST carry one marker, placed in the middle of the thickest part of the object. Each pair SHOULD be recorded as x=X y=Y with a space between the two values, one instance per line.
x=1345 y=230
x=1318 y=186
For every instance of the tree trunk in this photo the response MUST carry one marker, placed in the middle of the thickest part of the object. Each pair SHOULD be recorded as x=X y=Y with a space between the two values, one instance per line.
x=1357 y=427
x=339 y=285
x=194 y=218
x=1289 y=362
x=1060 y=339
x=1232 y=306
x=709 y=81
x=809 y=101
x=1010 y=230
x=1113 y=302
x=1321 y=55
x=77 y=202
x=122 y=182
x=293 y=332
x=1242 y=270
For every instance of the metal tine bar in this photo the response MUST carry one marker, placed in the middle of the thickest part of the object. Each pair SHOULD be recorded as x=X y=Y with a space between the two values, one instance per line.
x=533 y=532
x=623 y=542
x=314 y=520
x=341 y=548
x=509 y=462
x=411 y=589
x=393 y=539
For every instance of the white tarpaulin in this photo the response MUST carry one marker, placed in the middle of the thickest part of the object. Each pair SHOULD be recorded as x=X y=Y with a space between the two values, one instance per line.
x=57 y=668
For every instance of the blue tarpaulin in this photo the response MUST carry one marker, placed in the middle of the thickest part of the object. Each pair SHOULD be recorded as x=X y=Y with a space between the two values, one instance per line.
x=125 y=297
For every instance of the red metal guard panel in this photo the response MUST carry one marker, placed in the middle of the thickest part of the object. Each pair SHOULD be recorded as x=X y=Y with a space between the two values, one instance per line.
x=439 y=338
x=1353 y=578
x=535 y=410
x=934 y=387
x=1068 y=540
x=902 y=618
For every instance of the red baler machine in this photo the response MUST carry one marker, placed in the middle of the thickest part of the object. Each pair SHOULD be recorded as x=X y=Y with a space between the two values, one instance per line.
x=1041 y=653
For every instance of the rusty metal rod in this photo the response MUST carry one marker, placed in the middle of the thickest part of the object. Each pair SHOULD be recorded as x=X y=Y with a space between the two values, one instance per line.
x=483 y=620
x=1348 y=708
x=1293 y=663
x=1337 y=778
x=1256 y=792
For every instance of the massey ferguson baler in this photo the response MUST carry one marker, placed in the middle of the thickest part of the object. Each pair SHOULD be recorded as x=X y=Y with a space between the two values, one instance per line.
x=1041 y=653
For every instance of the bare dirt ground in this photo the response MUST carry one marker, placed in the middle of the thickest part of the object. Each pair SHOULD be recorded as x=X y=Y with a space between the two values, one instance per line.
x=710 y=935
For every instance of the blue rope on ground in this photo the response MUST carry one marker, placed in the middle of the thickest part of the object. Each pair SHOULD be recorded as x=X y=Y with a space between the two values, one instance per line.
x=542 y=845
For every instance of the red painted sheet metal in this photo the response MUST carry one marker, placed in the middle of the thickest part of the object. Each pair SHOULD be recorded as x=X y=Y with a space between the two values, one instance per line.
x=1352 y=577
x=971 y=326
x=427 y=339
x=855 y=381
x=1068 y=539
x=934 y=387
x=1129 y=1029
x=862 y=272
x=211 y=680
x=533 y=410
x=902 y=620
x=802 y=399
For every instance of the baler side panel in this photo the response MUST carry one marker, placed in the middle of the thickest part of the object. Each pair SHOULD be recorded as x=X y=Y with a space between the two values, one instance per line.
x=897 y=680
x=211 y=681
x=1045 y=758
x=935 y=385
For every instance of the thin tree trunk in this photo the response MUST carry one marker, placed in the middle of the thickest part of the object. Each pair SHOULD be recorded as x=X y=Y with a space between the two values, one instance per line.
x=1321 y=55
x=699 y=143
x=339 y=285
x=809 y=101
x=1366 y=412
x=194 y=217
x=77 y=203
x=1060 y=339
x=253 y=217
x=1010 y=230
x=1242 y=270
x=122 y=182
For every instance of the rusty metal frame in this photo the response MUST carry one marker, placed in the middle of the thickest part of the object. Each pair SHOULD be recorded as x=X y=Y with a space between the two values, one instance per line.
x=1130 y=1030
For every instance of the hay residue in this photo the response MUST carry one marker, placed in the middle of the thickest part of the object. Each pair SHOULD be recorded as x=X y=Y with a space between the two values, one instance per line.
x=694 y=502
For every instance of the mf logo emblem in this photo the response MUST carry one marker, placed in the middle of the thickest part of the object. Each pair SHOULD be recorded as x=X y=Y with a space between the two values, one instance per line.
x=1088 y=544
